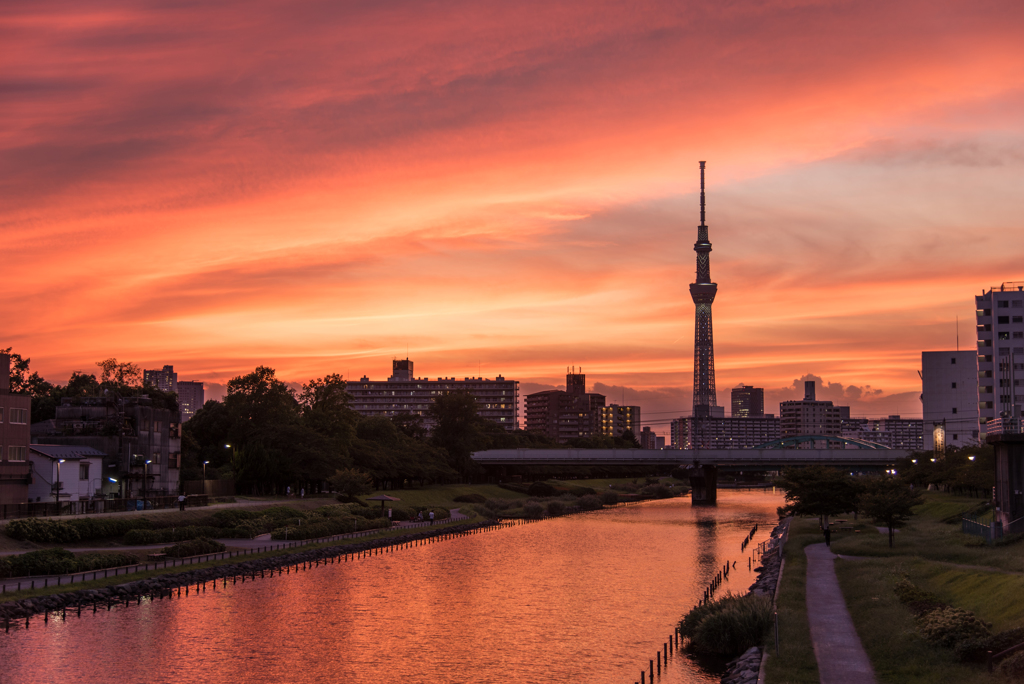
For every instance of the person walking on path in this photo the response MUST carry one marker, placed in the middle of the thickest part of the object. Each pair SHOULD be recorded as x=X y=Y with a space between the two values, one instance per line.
x=181 y=502
x=841 y=657
x=828 y=537
x=431 y=517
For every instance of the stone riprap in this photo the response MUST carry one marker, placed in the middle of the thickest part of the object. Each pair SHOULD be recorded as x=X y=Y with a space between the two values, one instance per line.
x=162 y=585
x=744 y=669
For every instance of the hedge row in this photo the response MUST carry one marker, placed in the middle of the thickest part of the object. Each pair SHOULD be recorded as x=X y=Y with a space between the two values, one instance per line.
x=728 y=626
x=49 y=530
x=194 y=547
x=176 y=534
x=329 y=527
x=61 y=562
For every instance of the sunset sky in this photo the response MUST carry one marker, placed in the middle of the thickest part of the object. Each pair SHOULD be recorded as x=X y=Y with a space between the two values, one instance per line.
x=510 y=188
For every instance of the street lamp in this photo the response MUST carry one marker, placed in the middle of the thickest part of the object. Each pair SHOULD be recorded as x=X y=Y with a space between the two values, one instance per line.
x=205 y=463
x=145 y=482
x=970 y=458
x=56 y=487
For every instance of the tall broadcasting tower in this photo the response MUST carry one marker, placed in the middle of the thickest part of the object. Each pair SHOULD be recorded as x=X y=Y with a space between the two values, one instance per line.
x=703 y=292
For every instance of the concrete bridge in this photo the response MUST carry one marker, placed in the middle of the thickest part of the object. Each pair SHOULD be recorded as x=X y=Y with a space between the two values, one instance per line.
x=702 y=464
x=763 y=459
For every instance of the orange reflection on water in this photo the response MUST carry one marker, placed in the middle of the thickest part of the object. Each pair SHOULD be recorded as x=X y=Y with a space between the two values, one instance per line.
x=586 y=598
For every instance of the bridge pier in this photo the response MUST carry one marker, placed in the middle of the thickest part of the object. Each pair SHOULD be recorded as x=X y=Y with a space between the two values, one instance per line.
x=703 y=485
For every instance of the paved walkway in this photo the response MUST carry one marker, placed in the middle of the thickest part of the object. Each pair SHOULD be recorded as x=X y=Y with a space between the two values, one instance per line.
x=841 y=657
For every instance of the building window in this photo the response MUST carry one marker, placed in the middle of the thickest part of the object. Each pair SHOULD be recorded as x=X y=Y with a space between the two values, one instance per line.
x=19 y=416
x=954 y=436
x=1018 y=335
x=1 y=414
x=16 y=453
x=954 y=385
x=1018 y=319
x=953 y=361
x=954 y=409
x=83 y=471
x=1003 y=305
x=156 y=454
x=1004 y=335
x=1003 y=320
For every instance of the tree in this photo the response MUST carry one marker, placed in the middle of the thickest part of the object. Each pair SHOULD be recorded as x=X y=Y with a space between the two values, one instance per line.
x=817 y=490
x=119 y=374
x=22 y=381
x=324 y=403
x=457 y=428
x=889 y=500
x=260 y=398
x=351 y=482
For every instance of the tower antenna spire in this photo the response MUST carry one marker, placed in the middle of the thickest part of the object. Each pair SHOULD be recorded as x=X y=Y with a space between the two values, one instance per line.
x=702 y=193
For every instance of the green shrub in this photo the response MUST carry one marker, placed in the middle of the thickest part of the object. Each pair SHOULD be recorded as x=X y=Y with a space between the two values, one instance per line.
x=556 y=508
x=49 y=530
x=194 y=547
x=727 y=627
x=918 y=600
x=61 y=562
x=99 y=561
x=471 y=498
x=948 y=626
x=976 y=650
x=541 y=489
x=657 y=491
x=609 y=498
x=176 y=534
x=533 y=510
x=329 y=527
x=1013 y=667
x=590 y=503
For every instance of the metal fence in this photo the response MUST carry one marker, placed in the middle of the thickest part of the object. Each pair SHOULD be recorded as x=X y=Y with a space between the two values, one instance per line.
x=990 y=530
x=51 y=508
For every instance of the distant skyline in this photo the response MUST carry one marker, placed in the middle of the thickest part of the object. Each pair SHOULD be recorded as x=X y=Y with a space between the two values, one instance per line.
x=510 y=188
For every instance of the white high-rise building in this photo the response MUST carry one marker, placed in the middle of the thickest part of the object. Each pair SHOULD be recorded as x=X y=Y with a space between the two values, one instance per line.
x=949 y=392
x=1000 y=314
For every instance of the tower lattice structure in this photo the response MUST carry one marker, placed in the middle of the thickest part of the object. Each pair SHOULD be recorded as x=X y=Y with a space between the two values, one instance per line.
x=703 y=293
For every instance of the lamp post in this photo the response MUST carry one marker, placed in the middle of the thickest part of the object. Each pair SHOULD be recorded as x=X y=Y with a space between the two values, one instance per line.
x=56 y=487
x=145 y=482
x=205 y=463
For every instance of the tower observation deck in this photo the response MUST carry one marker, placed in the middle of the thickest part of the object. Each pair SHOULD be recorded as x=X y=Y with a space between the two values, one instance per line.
x=703 y=292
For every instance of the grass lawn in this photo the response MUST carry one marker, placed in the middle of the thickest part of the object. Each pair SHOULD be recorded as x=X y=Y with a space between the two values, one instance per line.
x=932 y=552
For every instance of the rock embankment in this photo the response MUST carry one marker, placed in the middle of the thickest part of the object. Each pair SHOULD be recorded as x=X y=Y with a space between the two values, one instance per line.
x=744 y=669
x=163 y=585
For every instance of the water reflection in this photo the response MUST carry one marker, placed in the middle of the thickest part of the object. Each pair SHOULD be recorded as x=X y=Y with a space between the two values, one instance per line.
x=589 y=598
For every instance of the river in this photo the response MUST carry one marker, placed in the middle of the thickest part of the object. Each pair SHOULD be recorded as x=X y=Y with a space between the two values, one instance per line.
x=583 y=599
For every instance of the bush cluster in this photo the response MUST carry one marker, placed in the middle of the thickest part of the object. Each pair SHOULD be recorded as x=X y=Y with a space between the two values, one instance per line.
x=55 y=531
x=194 y=547
x=176 y=534
x=471 y=498
x=329 y=527
x=976 y=650
x=590 y=503
x=728 y=626
x=949 y=626
x=556 y=508
x=61 y=562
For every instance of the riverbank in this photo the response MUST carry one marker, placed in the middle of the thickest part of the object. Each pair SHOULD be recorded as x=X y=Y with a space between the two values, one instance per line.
x=155 y=585
x=930 y=552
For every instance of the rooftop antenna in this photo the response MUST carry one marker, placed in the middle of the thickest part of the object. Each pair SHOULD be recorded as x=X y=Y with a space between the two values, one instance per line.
x=958 y=333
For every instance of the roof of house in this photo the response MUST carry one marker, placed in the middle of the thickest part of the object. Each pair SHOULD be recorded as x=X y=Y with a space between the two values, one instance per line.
x=65 y=451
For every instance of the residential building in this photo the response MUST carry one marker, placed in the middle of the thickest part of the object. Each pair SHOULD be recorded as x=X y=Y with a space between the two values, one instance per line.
x=15 y=436
x=165 y=380
x=613 y=420
x=811 y=417
x=747 y=402
x=893 y=432
x=76 y=472
x=1000 y=314
x=564 y=415
x=141 y=440
x=724 y=433
x=191 y=397
x=649 y=440
x=403 y=393
x=949 y=399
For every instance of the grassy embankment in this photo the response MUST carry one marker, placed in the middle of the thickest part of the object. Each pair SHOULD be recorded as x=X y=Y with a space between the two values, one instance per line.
x=931 y=551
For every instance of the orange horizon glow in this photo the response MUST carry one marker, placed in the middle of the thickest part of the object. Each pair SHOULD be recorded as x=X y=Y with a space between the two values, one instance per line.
x=510 y=189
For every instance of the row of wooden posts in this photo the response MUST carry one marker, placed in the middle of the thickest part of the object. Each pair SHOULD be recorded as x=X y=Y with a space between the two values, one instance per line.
x=750 y=535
